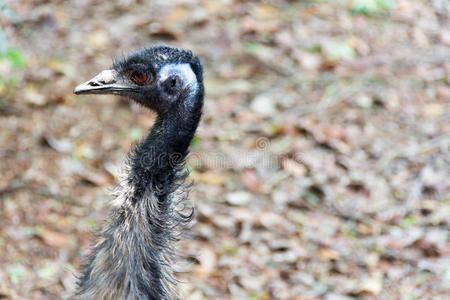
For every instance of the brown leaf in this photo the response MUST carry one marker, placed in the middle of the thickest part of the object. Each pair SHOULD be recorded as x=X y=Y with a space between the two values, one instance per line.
x=54 y=238
x=294 y=168
x=158 y=31
x=251 y=181
x=208 y=260
x=327 y=254
x=428 y=249
x=208 y=178
x=95 y=177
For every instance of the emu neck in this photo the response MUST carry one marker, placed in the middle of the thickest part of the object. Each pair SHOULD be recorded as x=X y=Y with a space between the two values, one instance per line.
x=132 y=258
x=163 y=151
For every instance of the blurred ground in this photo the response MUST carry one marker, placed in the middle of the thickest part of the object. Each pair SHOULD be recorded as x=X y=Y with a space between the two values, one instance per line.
x=321 y=167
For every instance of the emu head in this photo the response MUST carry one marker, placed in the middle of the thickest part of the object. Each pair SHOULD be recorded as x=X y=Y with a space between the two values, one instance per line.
x=158 y=78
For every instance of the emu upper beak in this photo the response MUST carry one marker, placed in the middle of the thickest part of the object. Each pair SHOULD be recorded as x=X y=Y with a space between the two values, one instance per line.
x=106 y=82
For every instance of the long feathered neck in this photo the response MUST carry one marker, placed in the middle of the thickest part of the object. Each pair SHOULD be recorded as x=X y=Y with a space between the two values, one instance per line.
x=161 y=154
x=133 y=256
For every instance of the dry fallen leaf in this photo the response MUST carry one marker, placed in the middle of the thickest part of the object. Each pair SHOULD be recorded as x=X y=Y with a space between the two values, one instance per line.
x=208 y=178
x=54 y=238
x=327 y=254
x=238 y=198
x=251 y=181
x=264 y=105
x=294 y=168
x=372 y=285
x=208 y=260
x=96 y=177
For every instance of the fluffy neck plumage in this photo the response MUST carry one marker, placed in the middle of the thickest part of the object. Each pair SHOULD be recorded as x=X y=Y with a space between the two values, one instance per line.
x=133 y=256
x=162 y=153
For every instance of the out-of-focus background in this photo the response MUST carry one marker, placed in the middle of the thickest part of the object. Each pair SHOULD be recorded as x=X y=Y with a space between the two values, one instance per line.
x=321 y=166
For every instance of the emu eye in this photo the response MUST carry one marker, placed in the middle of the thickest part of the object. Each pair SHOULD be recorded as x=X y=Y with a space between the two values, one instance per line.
x=139 y=77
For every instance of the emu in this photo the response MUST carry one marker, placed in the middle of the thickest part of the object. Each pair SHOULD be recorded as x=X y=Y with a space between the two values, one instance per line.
x=133 y=255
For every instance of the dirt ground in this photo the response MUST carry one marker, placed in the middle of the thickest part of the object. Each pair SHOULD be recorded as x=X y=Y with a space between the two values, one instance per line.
x=320 y=168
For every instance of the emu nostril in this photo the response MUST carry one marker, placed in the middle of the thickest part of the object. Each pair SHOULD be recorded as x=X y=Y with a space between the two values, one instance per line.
x=94 y=83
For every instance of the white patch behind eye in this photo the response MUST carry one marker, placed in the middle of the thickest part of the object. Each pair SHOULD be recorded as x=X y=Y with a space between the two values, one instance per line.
x=184 y=71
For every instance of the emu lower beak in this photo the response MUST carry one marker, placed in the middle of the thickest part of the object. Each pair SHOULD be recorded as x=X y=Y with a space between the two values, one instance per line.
x=107 y=82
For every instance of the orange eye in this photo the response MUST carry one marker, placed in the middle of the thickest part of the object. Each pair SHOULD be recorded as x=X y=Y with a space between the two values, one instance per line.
x=139 y=78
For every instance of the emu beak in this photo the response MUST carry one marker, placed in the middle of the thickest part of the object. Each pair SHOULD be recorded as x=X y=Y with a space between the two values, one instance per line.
x=106 y=82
